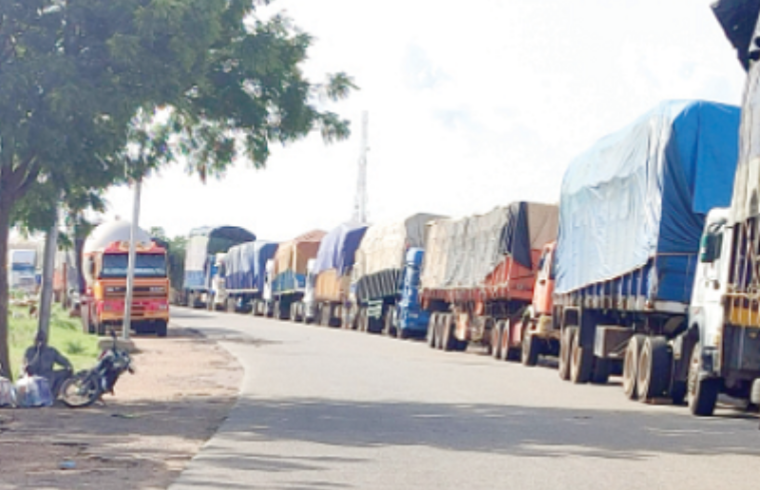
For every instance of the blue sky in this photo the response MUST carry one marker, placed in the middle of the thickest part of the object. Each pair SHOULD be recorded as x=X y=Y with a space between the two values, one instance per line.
x=471 y=105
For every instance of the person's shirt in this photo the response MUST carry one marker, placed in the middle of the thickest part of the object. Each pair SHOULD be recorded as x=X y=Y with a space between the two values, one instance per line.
x=40 y=361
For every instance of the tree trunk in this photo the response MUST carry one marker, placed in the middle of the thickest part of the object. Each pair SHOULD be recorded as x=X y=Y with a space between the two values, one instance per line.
x=5 y=219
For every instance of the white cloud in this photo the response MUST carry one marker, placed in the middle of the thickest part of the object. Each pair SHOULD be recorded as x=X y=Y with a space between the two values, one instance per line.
x=471 y=105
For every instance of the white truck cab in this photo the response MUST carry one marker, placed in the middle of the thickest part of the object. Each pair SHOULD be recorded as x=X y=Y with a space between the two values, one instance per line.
x=309 y=302
x=218 y=287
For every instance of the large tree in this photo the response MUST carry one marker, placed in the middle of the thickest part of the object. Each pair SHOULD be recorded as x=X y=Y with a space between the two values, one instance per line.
x=75 y=74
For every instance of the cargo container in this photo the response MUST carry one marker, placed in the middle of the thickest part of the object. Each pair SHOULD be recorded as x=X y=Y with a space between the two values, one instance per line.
x=240 y=275
x=286 y=274
x=479 y=274
x=632 y=211
x=201 y=264
x=720 y=350
x=377 y=278
x=329 y=277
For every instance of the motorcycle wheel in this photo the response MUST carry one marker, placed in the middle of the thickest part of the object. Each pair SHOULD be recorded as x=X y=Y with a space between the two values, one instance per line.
x=81 y=390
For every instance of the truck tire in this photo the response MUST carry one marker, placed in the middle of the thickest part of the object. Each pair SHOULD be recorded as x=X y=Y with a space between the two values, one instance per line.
x=431 y=339
x=161 y=328
x=439 y=331
x=449 y=341
x=565 y=346
x=388 y=328
x=631 y=366
x=510 y=353
x=702 y=392
x=531 y=349
x=655 y=361
x=496 y=340
x=581 y=361
x=231 y=305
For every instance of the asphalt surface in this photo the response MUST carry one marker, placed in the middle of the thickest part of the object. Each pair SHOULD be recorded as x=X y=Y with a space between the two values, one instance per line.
x=324 y=409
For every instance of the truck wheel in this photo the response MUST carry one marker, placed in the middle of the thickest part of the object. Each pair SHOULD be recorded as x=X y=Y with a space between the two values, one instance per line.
x=161 y=328
x=565 y=346
x=678 y=392
x=510 y=353
x=631 y=365
x=431 y=330
x=276 y=310
x=496 y=333
x=388 y=328
x=581 y=361
x=655 y=361
x=231 y=305
x=449 y=341
x=100 y=328
x=531 y=349
x=600 y=373
x=702 y=392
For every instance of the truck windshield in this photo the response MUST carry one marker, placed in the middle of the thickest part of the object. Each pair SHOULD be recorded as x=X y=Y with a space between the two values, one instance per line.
x=28 y=268
x=146 y=265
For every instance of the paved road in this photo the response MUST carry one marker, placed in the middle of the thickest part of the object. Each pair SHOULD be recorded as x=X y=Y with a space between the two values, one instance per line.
x=325 y=409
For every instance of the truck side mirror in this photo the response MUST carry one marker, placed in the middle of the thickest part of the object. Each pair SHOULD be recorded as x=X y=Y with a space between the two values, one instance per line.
x=711 y=245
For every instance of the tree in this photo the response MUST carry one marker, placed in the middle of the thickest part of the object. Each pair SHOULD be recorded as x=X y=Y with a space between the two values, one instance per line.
x=74 y=75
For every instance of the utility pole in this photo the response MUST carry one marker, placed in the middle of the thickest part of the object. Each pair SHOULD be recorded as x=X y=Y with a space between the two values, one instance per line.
x=131 y=261
x=360 y=203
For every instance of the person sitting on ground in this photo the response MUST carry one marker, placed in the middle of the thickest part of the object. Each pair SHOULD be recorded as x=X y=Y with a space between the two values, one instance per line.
x=40 y=360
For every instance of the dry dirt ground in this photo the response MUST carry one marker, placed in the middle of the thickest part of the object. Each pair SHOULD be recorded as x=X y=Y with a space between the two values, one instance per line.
x=141 y=438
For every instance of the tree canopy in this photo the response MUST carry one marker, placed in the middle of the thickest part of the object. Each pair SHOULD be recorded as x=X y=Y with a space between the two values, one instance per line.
x=75 y=75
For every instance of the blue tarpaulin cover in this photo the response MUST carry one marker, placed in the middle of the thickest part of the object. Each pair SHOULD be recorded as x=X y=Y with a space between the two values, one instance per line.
x=202 y=245
x=246 y=265
x=636 y=201
x=338 y=248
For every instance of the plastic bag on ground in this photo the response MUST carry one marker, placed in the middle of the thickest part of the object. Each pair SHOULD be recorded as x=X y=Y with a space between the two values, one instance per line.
x=7 y=393
x=33 y=392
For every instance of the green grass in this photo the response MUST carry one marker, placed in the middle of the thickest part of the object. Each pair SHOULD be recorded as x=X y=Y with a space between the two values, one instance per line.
x=65 y=335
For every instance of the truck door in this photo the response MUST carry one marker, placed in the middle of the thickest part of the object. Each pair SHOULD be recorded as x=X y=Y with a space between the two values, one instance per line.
x=710 y=280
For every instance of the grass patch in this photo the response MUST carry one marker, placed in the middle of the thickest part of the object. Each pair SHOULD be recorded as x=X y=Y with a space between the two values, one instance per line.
x=65 y=335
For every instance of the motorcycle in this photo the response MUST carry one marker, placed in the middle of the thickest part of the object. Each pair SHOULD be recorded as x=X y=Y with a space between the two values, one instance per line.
x=86 y=387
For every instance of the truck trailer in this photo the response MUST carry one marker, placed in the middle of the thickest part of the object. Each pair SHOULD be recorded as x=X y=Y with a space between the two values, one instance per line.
x=479 y=274
x=632 y=211
x=104 y=268
x=286 y=276
x=377 y=277
x=201 y=264
x=241 y=275
x=329 y=277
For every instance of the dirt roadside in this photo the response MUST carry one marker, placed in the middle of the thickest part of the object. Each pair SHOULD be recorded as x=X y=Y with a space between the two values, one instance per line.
x=141 y=438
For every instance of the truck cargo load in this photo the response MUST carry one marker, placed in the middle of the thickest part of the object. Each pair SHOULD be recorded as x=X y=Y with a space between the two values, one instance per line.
x=243 y=273
x=331 y=273
x=633 y=206
x=200 y=259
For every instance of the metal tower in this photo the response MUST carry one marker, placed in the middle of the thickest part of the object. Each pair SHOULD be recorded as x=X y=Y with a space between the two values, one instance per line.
x=360 y=203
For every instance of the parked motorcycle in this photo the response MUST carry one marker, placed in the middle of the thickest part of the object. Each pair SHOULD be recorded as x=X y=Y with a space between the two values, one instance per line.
x=86 y=387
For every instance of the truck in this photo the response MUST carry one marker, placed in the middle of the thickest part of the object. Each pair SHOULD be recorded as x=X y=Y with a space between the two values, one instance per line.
x=720 y=348
x=286 y=276
x=104 y=268
x=378 y=273
x=241 y=275
x=328 y=279
x=479 y=274
x=632 y=213
x=22 y=270
x=201 y=263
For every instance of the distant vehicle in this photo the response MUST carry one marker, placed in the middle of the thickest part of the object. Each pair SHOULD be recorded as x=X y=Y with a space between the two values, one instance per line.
x=479 y=274
x=104 y=266
x=22 y=270
x=286 y=275
x=329 y=277
x=201 y=262
x=378 y=276
x=240 y=277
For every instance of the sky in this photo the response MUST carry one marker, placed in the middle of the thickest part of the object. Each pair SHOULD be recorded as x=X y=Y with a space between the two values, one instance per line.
x=471 y=105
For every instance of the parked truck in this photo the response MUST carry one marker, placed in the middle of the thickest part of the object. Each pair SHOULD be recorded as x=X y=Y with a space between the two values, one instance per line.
x=286 y=276
x=632 y=212
x=328 y=279
x=720 y=350
x=377 y=277
x=201 y=263
x=241 y=274
x=104 y=267
x=22 y=269
x=479 y=274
